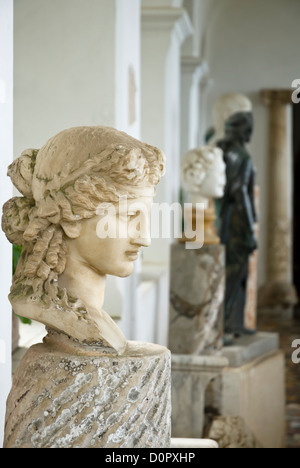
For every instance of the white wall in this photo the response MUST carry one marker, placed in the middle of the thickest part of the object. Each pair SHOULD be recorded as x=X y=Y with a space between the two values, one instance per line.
x=63 y=75
x=200 y=12
x=6 y=151
x=72 y=60
x=251 y=45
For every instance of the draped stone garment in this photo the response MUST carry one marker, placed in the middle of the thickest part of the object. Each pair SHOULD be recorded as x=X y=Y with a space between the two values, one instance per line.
x=67 y=395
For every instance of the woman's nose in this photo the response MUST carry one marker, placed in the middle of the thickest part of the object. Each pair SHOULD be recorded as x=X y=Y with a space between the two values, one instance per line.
x=142 y=241
x=141 y=236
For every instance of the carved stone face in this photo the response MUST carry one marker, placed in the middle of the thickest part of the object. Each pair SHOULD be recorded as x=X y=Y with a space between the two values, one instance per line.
x=215 y=180
x=109 y=243
x=206 y=179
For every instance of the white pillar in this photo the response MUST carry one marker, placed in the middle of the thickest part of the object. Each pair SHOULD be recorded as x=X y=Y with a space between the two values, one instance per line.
x=164 y=28
x=279 y=288
x=165 y=25
x=205 y=87
x=192 y=72
x=121 y=297
x=6 y=151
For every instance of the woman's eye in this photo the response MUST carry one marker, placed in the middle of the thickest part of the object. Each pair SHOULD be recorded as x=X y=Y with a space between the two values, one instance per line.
x=127 y=215
x=133 y=215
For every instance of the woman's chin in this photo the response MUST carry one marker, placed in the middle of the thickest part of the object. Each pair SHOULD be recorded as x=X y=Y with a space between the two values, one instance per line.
x=126 y=270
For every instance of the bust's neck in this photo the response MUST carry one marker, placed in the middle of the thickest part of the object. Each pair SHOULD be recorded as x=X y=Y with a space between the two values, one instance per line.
x=195 y=198
x=84 y=283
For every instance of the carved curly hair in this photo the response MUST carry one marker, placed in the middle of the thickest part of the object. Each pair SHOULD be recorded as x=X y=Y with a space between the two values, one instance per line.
x=199 y=160
x=63 y=183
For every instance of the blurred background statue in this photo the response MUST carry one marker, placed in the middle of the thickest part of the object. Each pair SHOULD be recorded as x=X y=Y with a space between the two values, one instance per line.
x=203 y=179
x=225 y=106
x=238 y=216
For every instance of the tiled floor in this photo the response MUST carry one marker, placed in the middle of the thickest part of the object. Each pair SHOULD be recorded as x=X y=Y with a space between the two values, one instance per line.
x=289 y=330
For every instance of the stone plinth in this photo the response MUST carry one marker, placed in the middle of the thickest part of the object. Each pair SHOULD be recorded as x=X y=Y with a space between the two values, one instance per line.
x=248 y=348
x=191 y=376
x=74 y=396
x=197 y=300
x=250 y=395
x=255 y=392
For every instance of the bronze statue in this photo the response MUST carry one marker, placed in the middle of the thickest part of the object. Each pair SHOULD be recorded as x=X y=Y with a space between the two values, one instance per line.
x=238 y=215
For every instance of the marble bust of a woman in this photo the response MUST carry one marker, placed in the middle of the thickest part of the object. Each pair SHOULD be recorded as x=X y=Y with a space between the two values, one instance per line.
x=203 y=178
x=84 y=214
x=66 y=185
x=203 y=174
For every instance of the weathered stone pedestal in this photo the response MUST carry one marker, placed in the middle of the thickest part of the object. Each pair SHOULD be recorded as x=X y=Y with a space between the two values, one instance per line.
x=248 y=348
x=197 y=300
x=67 y=395
x=191 y=376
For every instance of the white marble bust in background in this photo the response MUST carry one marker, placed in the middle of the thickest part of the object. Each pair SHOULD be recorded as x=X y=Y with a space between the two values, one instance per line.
x=203 y=174
x=225 y=106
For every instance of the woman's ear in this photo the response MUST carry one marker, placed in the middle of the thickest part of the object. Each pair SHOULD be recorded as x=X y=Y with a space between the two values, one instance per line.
x=72 y=230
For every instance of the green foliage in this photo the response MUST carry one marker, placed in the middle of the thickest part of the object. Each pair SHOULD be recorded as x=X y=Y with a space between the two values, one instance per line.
x=17 y=250
x=25 y=320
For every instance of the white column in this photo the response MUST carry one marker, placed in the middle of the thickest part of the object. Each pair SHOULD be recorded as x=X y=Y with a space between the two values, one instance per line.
x=192 y=72
x=121 y=294
x=127 y=62
x=205 y=87
x=163 y=31
x=279 y=288
x=6 y=151
x=165 y=25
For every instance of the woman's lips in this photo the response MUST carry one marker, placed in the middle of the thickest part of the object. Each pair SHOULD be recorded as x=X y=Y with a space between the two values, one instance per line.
x=133 y=255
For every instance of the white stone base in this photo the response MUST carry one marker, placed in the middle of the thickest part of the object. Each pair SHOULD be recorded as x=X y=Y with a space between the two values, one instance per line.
x=256 y=393
x=253 y=392
x=193 y=443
